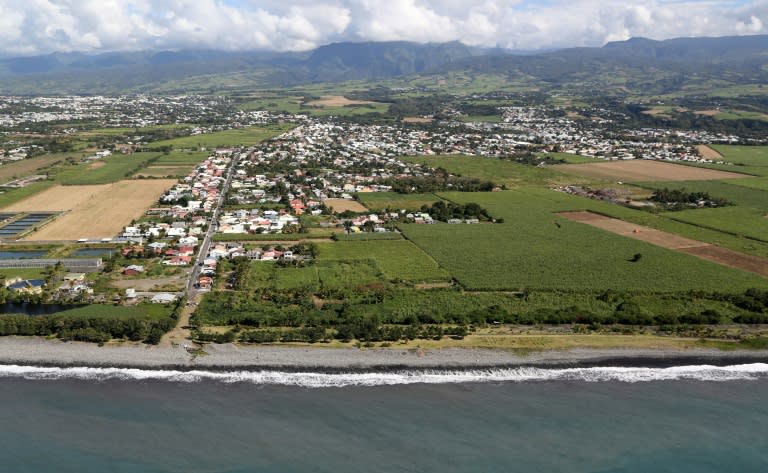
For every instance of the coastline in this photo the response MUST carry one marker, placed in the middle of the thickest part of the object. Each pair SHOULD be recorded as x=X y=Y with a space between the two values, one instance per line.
x=228 y=357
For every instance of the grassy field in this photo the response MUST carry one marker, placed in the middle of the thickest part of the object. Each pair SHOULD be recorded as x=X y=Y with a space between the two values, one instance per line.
x=736 y=194
x=498 y=171
x=740 y=220
x=398 y=259
x=239 y=137
x=104 y=171
x=378 y=201
x=574 y=158
x=530 y=251
x=180 y=158
x=25 y=167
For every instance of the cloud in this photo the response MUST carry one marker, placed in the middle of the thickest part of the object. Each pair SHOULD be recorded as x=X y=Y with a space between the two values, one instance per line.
x=41 y=26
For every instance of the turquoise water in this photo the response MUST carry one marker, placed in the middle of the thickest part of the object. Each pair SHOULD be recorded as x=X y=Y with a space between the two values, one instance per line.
x=76 y=425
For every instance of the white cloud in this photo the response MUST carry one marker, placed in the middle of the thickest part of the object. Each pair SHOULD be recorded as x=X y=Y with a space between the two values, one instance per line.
x=42 y=26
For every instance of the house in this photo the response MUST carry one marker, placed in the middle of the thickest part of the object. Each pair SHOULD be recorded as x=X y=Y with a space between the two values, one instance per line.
x=133 y=270
x=205 y=282
x=26 y=286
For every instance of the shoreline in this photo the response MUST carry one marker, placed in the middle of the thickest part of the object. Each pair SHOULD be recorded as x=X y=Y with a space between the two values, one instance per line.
x=228 y=357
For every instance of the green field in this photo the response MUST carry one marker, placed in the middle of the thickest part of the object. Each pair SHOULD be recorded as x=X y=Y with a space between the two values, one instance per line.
x=573 y=158
x=180 y=158
x=748 y=155
x=238 y=137
x=530 y=251
x=398 y=259
x=111 y=169
x=379 y=201
x=498 y=171
x=743 y=221
x=738 y=195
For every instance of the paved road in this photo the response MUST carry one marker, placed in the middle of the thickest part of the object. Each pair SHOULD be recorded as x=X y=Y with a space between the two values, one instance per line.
x=205 y=245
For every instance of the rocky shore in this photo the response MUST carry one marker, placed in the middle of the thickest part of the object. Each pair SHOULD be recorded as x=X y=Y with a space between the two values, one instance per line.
x=41 y=352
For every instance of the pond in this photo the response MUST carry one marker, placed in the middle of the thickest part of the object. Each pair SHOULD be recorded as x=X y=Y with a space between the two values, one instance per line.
x=33 y=309
x=22 y=254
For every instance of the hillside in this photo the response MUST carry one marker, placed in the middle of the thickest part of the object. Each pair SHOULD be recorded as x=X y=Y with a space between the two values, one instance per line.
x=638 y=66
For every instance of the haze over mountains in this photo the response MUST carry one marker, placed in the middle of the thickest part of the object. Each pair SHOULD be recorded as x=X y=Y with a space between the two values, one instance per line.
x=637 y=64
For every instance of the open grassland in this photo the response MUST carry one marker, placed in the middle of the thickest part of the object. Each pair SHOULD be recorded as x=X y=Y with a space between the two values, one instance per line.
x=113 y=169
x=378 y=201
x=536 y=249
x=644 y=170
x=101 y=211
x=59 y=198
x=239 y=137
x=495 y=170
x=25 y=167
x=398 y=259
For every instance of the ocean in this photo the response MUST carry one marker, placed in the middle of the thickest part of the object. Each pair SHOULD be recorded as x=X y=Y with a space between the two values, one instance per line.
x=699 y=419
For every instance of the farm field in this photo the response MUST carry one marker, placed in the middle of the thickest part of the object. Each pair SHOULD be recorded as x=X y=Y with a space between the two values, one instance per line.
x=341 y=205
x=378 y=201
x=25 y=167
x=238 y=137
x=101 y=211
x=498 y=171
x=543 y=251
x=11 y=196
x=164 y=171
x=703 y=250
x=574 y=158
x=746 y=155
x=745 y=221
x=58 y=198
x=104 y=171
x=179 y=158
x=645 y=170
x=398 y=259
x=736 y=194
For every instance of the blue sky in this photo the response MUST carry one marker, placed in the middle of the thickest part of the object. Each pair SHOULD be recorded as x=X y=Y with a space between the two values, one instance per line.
x=30 y=27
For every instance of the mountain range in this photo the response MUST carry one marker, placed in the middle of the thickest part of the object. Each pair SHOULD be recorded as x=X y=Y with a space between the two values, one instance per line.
x=637 y=65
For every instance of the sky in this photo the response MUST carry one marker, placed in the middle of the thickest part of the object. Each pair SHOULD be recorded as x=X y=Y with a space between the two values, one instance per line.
x=31 y=27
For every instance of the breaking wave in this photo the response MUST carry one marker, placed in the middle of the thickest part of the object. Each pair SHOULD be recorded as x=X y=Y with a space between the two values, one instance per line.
x=743 y=372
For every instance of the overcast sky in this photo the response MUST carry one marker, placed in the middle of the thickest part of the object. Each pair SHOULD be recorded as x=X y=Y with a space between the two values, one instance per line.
x=30 y=27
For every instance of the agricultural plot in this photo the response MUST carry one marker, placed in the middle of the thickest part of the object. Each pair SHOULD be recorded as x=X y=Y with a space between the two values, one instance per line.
x=536 y=249
x=106 y=170
x=745 y=221
x=58 y=198
x=343 y=205
x=25 y=167
x=378 y=201
x=495 y=170
x=645 y=170
x=9 y=197
x=398 y=259
x=164 y=171
x=738 y=195
x=744 y=155
x=178 y=158
x=348 y=274
x=100 y=211
x=239 y=137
